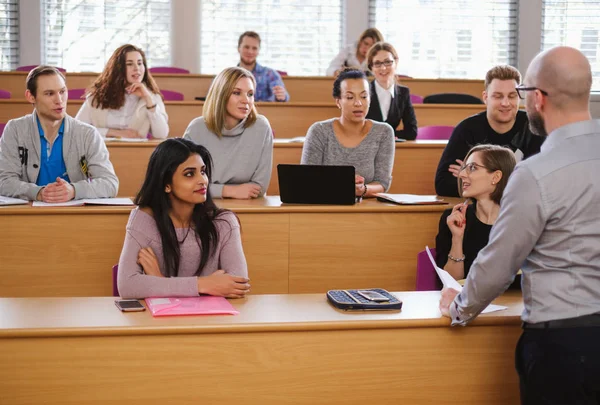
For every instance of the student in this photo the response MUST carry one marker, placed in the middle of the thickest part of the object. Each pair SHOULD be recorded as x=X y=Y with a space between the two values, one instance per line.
x=465 y=229
x=239 y=139
x=390 y=102
x=355 y=55
x=124 y=101
x=49 y=156
x=178 y=243
x=501 y=124
x=269 y=85
x=352 y=139
x=549 y=227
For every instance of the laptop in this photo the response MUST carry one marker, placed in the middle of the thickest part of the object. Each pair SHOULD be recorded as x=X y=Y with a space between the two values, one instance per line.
x=316 y=184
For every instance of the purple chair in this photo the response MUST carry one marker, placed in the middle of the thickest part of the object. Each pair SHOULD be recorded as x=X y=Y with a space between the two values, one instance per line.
x=168 y=69
x=30 y=67
x=4 y=94
x=76 y=94
x=282 y=73
x=414 y=99
x=427 y=279
x=115 y=273
x=434 y=132
x=172 y=95
x=2 y=129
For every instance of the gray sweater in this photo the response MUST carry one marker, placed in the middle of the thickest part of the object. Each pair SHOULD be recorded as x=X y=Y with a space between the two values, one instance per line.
x=241 y=155
x=373 y=158
x=82 y=143
x=142 y=232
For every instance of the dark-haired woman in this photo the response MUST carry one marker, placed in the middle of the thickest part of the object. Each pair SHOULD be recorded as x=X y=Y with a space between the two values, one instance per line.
x=124 y=102
x=178 y=243
x=352 y=139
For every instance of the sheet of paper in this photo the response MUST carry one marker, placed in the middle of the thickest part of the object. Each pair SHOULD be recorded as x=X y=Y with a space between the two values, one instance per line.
x=11 y=201
x=72 y=203
x=449 y=282
x=125 y=139
x=410 y=198
x=108 y=201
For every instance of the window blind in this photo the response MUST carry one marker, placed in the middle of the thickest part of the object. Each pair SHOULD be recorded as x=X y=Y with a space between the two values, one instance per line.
x=300 y=37
x=9 y=34
x=80 y=35
x=448 y=39
x=576 y=24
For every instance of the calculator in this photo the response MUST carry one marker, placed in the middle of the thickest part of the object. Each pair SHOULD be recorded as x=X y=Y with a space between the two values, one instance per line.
x=366 y=299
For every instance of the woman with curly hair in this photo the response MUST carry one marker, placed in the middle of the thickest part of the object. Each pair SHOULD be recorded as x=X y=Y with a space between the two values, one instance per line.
x=124 y=101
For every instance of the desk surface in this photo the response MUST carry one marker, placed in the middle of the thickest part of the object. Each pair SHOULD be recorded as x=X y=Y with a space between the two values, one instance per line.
x=98 y=316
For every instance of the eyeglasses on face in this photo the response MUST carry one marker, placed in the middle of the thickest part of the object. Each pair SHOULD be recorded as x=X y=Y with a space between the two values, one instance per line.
x=386 y=63
x=471 y=167
x=521 y=89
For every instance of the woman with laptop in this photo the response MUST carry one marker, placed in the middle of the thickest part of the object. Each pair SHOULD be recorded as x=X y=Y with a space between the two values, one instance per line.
x=239 y=139
x=465 y=229
x=124 y=101
x=390 y=102
x=178 y=243
x=352 y=139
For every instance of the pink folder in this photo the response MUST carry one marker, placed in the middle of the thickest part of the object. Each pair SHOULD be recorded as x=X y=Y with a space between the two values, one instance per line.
x=190 y=306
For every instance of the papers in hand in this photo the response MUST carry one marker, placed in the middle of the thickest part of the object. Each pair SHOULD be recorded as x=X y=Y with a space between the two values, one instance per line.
x=87 y=201
x=190 y=306
x=449 y=282
x=12 y=201
x=409 y=199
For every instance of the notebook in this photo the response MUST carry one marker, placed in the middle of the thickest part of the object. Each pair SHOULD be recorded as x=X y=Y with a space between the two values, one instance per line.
x=410 y=199
x=315 y=184
x=86 y=201
x=12 y=201
x=206 y=305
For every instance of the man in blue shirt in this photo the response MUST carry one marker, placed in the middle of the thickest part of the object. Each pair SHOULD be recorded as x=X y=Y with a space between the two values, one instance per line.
x=49 y=156
x=269 y=86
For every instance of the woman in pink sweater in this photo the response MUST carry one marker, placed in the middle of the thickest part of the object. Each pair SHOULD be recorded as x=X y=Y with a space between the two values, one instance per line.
x=178 y=243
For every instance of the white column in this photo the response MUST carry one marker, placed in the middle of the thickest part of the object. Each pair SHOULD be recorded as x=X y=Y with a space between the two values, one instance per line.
x=30 y=32
x=185 y=34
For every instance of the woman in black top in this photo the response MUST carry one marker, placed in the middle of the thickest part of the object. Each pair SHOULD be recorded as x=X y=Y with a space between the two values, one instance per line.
x=465 y=229
x=390 y=102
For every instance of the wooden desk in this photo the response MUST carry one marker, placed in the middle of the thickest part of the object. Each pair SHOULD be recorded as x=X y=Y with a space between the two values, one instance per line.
x=415 y=164
x=69 y=251
x=288 y=120
x=280 y=349
x=301 y=88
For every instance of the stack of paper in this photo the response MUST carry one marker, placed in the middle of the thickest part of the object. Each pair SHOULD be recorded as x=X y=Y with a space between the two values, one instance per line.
x=11 y=201
x=86 y=201
x=409 y=199
x=449 y=282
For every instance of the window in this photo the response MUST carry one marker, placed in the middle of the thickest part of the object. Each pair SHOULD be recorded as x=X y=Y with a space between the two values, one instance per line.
x=9 y=34
x=576 y=24
x=448 y=39
x=300 y=37
x=80 y=35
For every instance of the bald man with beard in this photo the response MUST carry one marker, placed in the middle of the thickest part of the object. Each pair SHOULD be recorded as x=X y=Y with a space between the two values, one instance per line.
x=549 y=226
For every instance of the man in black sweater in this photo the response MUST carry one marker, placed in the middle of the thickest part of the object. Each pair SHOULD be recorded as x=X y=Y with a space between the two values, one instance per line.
x=501 y=124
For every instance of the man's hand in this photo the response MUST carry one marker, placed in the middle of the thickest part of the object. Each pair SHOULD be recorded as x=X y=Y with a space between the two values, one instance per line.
x=57 y=192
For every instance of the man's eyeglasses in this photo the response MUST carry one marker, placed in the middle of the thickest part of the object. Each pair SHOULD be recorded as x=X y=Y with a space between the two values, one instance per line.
x=522 y=89
x=471 y=167
x=386 y=63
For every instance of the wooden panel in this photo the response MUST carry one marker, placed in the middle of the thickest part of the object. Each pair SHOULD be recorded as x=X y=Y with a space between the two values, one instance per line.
x=288 y=120
x=130 y=161
x=338 y=251
x=266 y=241
x=301 y=89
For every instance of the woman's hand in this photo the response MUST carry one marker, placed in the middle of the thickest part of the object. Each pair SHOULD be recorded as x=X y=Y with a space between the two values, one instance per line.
x=147 y=259
x=457 y=220
x=222 y=284
x=359 y=185
x=140 y=90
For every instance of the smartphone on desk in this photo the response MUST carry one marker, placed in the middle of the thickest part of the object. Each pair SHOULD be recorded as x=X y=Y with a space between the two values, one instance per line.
x=373 y=295
x=129 y=305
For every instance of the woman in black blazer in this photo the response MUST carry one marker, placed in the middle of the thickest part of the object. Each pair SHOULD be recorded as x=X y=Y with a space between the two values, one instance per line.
x=382 y=60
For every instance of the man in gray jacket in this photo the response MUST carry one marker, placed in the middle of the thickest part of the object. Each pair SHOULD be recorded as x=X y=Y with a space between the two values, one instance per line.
x=49 y=156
